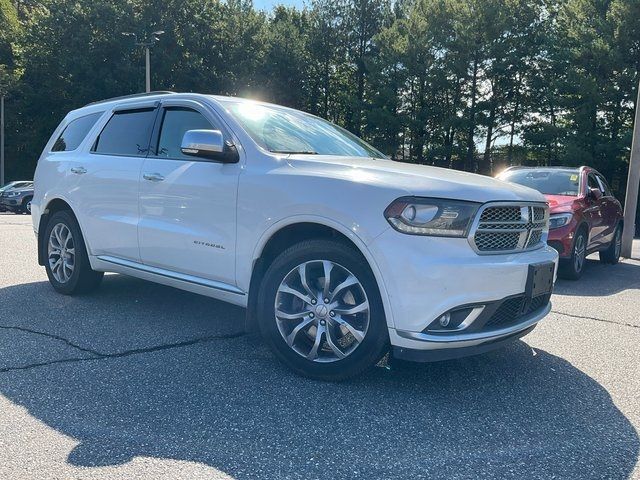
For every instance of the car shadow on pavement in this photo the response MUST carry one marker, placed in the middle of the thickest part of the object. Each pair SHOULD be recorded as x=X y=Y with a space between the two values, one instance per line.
x=138 y=369
x=600 y=279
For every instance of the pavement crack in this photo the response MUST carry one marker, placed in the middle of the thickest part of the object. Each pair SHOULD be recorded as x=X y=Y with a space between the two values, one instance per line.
x=53 y=336
x=623 y=324
x=126 y=353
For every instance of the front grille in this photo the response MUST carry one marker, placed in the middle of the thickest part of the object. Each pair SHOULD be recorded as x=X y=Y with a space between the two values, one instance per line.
x=534 y=238
x=507 y=228
x=513 y=309
x=491 y=241
x=501 y=214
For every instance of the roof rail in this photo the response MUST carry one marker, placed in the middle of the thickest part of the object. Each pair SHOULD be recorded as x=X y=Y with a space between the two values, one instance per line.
x=134 y=95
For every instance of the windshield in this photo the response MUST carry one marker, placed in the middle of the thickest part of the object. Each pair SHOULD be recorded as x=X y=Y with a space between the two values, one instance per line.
x=281 y=130
x=552 y=182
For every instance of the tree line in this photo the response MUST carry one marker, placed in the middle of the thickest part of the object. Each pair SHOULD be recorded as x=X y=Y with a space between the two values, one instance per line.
x=467 y=84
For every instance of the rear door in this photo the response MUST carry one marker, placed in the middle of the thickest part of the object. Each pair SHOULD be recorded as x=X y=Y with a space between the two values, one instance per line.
x=187 y=204
x=610 y=209
x=108 y=181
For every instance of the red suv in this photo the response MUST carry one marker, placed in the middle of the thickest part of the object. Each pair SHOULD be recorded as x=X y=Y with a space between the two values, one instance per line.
x=585 y=217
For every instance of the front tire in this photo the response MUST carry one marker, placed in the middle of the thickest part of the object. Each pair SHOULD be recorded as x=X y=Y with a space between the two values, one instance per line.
x=612 y=254
x=26 y=206
x=320 y=311
x=573 y=267
x=67 y=262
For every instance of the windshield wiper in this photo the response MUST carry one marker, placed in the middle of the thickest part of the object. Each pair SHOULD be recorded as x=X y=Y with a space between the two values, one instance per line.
x=300 y=152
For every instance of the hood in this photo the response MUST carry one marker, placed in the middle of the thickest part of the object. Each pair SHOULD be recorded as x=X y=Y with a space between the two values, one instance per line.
x=560 y=202
x=412 y=179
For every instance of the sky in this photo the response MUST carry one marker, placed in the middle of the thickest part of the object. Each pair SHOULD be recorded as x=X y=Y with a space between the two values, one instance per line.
x=269 y=4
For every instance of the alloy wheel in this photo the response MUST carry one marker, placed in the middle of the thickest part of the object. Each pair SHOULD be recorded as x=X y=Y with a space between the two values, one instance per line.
x=322 y=311
x=61 y=253
x=579 y=253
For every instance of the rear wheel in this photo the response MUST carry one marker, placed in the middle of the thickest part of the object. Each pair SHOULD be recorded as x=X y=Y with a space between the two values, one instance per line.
x=67 y=263
x=320 y=311
x=612 y=253
x=573 y=267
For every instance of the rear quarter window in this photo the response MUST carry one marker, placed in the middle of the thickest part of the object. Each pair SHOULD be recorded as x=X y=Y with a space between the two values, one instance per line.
x=75 y=132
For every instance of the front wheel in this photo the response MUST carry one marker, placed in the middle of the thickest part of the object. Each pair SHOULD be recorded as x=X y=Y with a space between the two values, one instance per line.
x=573 y=267
x=320 y=311
x=612 y=254
x=67 y=261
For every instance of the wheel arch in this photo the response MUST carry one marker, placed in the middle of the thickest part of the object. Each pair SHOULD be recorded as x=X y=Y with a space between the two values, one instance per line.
x=54 y=205
x=583 y=225
x=284 y=236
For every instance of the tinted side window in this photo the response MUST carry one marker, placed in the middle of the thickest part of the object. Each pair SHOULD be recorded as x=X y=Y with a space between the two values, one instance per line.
x=605 y=186
x=593 y=182
x=74 y=133
x=127 y=133
x=176 y=121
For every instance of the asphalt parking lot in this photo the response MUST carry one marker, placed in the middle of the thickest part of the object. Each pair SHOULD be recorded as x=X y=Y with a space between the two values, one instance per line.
x=140 y=380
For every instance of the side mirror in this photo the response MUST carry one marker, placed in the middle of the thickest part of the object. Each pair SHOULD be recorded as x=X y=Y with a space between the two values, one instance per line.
x=208 y=144
x=595 y=193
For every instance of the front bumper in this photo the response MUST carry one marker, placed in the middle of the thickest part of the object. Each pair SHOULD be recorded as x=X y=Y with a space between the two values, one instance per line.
x=561 y=239
x=415 y=355
x=426 y=277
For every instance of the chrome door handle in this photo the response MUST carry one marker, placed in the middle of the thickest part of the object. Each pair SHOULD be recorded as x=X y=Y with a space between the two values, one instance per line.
x=78 y=170
x=153 y=177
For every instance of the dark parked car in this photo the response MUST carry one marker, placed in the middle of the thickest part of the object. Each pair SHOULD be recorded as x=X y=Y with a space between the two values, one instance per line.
x=16 y=197
x=11 y=185
x=585 y=217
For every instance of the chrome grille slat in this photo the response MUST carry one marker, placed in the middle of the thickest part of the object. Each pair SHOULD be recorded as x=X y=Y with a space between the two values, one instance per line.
x=506 y=214
x=509 y=227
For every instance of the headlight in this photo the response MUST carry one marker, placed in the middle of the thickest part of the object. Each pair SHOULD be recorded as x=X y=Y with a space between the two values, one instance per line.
x=431 y=216
x=559 y=220
x=12 y=194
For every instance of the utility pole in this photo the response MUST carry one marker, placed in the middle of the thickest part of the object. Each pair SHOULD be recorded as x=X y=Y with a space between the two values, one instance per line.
x=147 y=44
x=633 y=180
x=1 y=140
x=147 y=69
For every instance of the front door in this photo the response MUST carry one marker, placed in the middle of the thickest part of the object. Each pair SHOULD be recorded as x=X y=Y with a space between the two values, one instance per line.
x=594 y=213
x=187 y=204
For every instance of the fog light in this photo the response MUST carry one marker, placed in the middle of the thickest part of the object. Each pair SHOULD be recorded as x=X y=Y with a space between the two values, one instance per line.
x=444 y=320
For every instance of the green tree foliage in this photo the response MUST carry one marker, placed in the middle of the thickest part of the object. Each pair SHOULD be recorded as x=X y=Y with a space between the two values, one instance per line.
x=469 y=84
x=10 y=32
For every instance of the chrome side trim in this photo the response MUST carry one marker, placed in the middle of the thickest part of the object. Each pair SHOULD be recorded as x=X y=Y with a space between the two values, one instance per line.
x=225 y=287
x=463 y=337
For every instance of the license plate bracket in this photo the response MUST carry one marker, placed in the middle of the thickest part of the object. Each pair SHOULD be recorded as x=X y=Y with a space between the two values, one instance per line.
x=540 y=279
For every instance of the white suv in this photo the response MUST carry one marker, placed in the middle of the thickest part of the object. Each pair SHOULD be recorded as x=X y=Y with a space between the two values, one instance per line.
x=336 y=251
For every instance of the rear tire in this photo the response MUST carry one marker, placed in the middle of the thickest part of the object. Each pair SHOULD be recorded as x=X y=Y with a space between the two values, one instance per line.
x=572 y=268
x=346 y=344
x=67 y=262
x=612 y=254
